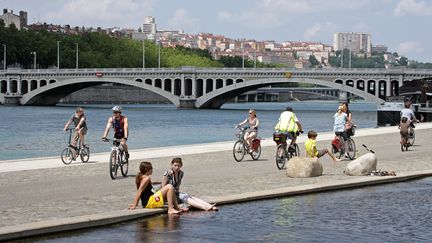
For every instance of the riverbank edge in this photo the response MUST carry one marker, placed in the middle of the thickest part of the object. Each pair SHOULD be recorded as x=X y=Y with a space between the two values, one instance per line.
x=97 y=220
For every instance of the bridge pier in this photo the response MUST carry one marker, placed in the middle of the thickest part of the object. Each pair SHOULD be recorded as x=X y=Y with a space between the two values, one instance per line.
x=343 y=96
x=187 y=103
x=12 y=99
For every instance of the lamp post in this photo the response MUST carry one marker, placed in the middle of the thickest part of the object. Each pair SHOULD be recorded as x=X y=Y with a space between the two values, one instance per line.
x=255 y=59
x=76 y=60
x=4 y=56
x=159 y=54
x=143 y=56
x=58 y=54
x=342 y=58
x=34 y=59
x=349 y=66
x=242 y=48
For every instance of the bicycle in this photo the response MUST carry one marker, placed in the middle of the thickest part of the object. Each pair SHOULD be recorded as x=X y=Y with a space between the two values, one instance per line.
x=117 y=159
x=240 y=148
x=409 y=141
x=283 y=152
x=338 y=145
x=411 y=136
x=71 y=152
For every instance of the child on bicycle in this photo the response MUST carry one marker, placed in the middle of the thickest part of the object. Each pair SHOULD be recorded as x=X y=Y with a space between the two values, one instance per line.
x=149 y=199
x=174 y=177
x=312 y=151
x=404 y=130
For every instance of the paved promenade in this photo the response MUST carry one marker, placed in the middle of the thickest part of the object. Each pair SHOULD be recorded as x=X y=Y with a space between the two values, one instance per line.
x=44 y=189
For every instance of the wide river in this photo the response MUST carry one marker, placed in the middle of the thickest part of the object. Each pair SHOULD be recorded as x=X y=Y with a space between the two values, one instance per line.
x=36 y=131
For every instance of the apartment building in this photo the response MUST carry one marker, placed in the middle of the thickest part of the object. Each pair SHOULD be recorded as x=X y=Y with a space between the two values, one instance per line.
x=10 y=18
x=354 y=41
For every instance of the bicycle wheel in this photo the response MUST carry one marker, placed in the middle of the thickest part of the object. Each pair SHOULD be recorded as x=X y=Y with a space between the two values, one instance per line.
x=113 y=165
x=256 y=153
x=296 y=152
x=281 y=157
x=351 y=149
x=85 y=154
x=124 y=166
x=411 y=138
x=67 y=156
x=238 y=150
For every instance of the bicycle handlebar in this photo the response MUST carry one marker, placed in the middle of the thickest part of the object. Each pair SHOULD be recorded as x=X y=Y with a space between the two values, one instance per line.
x=111 y=140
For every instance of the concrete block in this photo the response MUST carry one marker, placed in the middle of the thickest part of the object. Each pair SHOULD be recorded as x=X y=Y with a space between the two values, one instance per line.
x=363 y=165
x=300 y=167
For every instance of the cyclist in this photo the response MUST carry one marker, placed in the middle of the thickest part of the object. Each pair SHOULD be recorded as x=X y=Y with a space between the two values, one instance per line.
x=121 y=128
x=349 y=125
x=79 y=121
x=288 y=123
x=252 y=132
x=407 y=119
x=408 y=113
x=339 y=127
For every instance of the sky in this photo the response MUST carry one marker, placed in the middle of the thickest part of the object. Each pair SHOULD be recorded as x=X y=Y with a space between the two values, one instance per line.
x=402 y=25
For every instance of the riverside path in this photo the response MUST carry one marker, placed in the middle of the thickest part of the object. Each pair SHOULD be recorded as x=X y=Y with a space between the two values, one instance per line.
x=45 y=190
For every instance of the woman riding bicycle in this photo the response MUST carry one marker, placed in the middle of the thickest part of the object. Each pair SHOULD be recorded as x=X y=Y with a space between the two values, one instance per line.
x=339 y=127
x=252 y=132
x=79 y=120
x=349 y=125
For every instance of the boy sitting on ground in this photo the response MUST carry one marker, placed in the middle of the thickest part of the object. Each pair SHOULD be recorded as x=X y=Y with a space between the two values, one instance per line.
x=313 y=152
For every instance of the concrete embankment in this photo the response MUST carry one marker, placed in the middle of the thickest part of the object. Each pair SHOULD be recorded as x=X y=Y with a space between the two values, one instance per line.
x=41 y=196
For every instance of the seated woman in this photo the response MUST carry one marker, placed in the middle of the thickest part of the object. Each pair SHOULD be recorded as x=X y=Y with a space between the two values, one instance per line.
x=174 y=177
x=150 y=199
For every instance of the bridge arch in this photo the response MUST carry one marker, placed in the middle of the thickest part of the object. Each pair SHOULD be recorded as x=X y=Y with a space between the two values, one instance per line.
x=217 y=98
x=51 y=94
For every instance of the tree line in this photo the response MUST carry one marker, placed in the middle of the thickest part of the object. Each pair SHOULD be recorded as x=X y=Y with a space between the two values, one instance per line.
x=97 y=50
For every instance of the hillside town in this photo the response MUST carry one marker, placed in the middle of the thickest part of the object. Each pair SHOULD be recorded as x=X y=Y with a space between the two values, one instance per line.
x=293 y=54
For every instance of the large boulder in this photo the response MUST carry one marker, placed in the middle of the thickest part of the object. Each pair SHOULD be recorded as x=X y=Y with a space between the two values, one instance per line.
x=363 y=165
x=304 y=167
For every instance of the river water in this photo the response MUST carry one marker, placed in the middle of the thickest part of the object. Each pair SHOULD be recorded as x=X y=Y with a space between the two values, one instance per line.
x=399 y=212
x=36 y=131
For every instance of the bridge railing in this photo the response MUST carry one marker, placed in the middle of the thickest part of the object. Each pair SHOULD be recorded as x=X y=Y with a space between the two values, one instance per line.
x=189 y=69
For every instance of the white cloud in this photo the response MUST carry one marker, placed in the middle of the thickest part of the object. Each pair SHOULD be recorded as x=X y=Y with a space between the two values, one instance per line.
x=412 y=7
x=409 y=48
x=105 y=13
x=277 y=13
x=312 y=32
x=181 y=20
x=319 y=30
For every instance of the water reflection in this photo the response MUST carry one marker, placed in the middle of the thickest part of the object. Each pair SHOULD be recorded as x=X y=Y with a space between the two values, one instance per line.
x=396 y=212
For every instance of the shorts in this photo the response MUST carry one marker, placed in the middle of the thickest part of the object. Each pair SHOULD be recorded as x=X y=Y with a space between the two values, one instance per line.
x=344 y=135
x=155 y=201
x=321 y=152
x=83 y=131
x=291 y=135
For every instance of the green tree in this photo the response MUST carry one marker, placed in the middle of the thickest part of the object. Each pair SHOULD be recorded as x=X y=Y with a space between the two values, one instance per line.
x=313 y=61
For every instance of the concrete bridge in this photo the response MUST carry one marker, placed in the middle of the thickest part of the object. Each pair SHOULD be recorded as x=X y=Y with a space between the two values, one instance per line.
x=190 y=87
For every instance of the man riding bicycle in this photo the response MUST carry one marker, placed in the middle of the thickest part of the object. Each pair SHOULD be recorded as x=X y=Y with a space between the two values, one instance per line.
x=288 y=123
x=407 y=118
x=121 y=128
x=79 y=121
